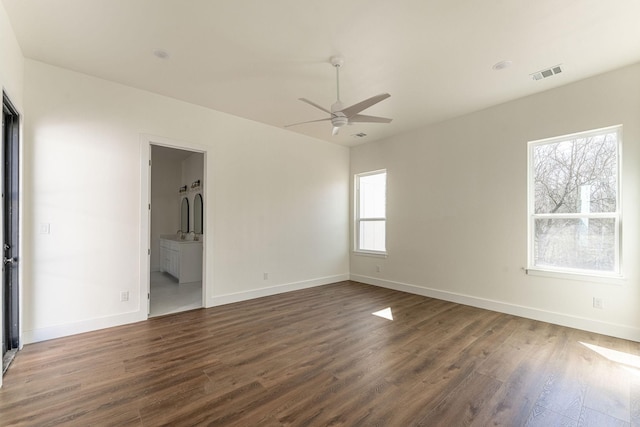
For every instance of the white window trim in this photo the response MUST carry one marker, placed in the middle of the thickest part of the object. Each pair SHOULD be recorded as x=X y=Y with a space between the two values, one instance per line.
x=615 y=277
x=581 y=276
x=374 y=254
x=357 y=220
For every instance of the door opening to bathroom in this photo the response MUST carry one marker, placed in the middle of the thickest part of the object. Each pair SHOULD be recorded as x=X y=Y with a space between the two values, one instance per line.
x=177 y=231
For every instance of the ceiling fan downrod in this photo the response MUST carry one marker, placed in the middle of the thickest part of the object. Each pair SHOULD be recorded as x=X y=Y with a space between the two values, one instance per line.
x=337 y=62
x=338 y=119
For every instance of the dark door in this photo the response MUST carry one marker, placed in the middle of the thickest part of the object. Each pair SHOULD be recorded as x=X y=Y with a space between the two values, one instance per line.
x=10 y=194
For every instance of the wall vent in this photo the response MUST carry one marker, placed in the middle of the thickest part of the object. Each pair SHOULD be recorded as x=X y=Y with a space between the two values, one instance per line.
x=543 y=74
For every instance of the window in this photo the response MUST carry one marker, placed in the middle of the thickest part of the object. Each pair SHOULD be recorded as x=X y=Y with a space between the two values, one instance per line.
x=371 y=198
x=574 y=203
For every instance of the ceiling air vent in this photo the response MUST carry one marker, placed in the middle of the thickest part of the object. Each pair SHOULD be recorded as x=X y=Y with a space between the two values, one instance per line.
x=543 y=74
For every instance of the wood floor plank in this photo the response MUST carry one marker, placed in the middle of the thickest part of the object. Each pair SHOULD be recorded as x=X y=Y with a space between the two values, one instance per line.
x=566 y=382
x=319 y=357
x=592 y=418
x=544 y=417
x=463 y=404
x=516 y=348
x=609 y=385
x=521 y=363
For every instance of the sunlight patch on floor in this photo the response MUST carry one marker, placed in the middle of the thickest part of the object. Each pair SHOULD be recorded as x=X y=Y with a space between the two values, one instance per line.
x=385 y=313
x=628 y=361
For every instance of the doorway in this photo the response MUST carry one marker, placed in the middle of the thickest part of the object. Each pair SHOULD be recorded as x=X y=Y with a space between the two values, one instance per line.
x=176 y=230
x=10 y=231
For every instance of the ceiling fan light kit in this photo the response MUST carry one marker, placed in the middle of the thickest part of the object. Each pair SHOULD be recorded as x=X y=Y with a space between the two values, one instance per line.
x=340 y=116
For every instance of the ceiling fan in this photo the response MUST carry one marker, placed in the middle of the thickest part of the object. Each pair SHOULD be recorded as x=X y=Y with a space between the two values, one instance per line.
x=339 y=115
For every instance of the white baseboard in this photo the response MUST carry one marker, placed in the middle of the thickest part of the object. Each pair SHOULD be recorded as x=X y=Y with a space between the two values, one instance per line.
x=274 y=290
x=611 y=329
x=591 y=325
x=58 y=331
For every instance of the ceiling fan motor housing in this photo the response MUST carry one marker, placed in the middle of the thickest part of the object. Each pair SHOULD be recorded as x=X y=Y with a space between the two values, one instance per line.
x=339 y=120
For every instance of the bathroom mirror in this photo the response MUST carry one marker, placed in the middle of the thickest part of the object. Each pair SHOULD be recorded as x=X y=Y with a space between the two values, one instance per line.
x=197 y=214
x=184 y=215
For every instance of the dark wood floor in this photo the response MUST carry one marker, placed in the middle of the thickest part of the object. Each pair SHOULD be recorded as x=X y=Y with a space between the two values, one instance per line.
x=318 y=357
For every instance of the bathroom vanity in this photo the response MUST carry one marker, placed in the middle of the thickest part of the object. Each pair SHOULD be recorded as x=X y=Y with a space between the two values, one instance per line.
x=181 y=258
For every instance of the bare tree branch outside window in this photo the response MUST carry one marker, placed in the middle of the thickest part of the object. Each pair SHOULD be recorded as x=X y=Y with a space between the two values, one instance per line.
x=575 y=202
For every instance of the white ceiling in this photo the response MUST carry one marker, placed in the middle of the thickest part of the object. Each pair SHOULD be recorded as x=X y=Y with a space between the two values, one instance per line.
x=254 y=58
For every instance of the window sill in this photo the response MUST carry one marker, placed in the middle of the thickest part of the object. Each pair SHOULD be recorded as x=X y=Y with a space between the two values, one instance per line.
x=607 y=279
x=371 y=254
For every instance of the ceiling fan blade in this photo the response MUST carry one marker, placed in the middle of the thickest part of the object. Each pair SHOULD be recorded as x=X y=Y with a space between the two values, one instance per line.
x=363 y=105
x=335 y=130
x=310 y=121
x=315 y=105
x=360 y=118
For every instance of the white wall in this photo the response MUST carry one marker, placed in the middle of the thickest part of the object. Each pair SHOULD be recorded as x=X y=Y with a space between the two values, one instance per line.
x=11 y=61
x=457 y=207
x=277 y=202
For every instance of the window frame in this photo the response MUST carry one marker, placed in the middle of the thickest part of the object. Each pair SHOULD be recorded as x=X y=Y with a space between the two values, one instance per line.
x=567 y=272
x=358 y=219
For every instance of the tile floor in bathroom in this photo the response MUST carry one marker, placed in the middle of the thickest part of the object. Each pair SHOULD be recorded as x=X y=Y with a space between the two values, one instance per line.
x=167 y=296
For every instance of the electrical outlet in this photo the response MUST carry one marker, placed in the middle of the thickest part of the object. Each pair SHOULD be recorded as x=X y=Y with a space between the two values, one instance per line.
x=265 y=276
x=597 y=303
x=377 y=269
x=124 y=296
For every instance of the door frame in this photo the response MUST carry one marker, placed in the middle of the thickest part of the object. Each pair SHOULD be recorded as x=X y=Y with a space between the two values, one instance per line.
x=146 y=141
x=16 y=291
